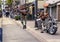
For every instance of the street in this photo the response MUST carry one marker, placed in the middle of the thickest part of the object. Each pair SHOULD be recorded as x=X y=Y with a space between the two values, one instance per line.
x=14 y=33
x=29 y=21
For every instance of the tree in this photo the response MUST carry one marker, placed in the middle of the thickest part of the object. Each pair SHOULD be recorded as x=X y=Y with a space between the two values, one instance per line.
x=0 y=3
x=9 y=2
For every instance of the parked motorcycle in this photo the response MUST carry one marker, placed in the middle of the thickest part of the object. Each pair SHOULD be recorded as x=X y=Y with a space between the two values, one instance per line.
x=51 y=26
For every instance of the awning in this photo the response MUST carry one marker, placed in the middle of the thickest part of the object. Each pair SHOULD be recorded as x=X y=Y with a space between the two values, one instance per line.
x=45 y=4
x=58 y=3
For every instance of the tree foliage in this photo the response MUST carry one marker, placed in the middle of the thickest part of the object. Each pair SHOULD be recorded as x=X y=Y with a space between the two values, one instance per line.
x=9 y=2
x=0 y=2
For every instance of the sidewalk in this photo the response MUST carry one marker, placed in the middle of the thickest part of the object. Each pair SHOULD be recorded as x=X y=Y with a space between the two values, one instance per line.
x=14 y=33
x=43 y=37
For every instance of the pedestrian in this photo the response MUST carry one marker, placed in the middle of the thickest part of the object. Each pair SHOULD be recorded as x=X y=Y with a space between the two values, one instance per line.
x=7 y=12
x=24 y=13
x=3 y=11
x=0 y=13
x=40 y=21
x=45 y=19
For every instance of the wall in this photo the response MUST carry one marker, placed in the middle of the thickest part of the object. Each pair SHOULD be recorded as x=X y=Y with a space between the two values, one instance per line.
x=40 y=4
x=54 y=12
x=59 y=12
x=52 y=2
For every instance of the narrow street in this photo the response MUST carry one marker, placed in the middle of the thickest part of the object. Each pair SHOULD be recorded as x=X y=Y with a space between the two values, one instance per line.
x=14 y=33
x=29 y=21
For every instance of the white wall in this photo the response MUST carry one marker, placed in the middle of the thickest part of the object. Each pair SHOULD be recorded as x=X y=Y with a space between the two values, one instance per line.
x=52 y=1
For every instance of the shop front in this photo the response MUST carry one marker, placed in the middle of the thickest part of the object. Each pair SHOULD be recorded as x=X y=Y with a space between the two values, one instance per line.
x=54 y=10
x=58 y=11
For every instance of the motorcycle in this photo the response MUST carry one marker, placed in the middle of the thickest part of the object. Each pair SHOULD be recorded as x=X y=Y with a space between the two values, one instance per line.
x=51 y=26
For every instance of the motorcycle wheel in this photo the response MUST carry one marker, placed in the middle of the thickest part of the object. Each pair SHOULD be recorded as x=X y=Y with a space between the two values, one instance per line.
x=52 y=30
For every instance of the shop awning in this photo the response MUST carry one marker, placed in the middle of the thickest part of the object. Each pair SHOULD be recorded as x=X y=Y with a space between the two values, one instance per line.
x=46 y=4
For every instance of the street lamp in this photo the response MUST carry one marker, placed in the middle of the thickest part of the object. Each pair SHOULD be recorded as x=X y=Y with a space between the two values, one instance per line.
x=36 y=7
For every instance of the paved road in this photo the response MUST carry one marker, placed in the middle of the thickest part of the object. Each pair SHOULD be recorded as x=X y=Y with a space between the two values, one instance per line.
x=14 y=33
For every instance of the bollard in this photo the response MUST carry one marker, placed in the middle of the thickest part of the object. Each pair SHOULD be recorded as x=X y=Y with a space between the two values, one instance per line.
x=0 y=34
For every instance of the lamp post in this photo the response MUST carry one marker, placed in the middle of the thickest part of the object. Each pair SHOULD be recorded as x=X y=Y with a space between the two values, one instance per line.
x=35 y=2
x=36 y=7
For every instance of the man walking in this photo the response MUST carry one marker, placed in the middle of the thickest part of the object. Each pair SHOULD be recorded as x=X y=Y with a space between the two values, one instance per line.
x=23 y=14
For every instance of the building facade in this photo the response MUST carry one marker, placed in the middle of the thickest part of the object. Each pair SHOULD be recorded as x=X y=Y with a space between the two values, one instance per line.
x=40 y=4
x=54 y=8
